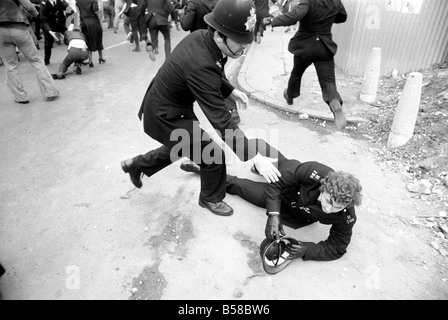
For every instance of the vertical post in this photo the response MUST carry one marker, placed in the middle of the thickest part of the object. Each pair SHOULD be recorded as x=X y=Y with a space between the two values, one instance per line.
x=406 y=111
x=371 y=76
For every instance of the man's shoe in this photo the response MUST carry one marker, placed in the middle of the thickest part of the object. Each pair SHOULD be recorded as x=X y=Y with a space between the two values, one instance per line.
x=289 y=101
x=339 y=115
x=190 y=166
x=150 y=51
x=77 y=69
x=220 y=208
x=53 y=97
x=56 y=76
x=135 y=174
x=23 y=102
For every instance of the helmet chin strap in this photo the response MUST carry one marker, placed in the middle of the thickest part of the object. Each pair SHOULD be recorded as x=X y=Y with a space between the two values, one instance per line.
x=228 y=48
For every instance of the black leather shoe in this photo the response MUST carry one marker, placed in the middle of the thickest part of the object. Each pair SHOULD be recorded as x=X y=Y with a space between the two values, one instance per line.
x=220 y=208
x=134 y=173
x=190 y=166
x=289 y=101
x=77 y=69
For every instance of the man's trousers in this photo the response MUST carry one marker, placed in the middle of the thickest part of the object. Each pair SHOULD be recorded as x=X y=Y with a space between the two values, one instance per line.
x=323 y=60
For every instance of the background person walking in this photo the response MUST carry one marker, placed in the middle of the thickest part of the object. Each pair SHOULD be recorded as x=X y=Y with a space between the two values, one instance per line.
x=157 y=20
x=14 y=33
x=91 y=27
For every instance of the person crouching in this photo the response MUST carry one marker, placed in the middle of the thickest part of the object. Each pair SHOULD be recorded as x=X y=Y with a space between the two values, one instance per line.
x=77 y=52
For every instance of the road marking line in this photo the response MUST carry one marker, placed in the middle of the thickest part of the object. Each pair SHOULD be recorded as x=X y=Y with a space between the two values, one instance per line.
x=116 y=45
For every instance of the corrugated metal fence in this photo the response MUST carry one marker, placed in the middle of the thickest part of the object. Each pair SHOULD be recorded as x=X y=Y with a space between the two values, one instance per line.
x=412 y=34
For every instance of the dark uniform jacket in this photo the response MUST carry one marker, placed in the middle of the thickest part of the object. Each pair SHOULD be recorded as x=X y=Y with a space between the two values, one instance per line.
x=295 y=197
x=262 y=8
x=195 y=10
x=53 y=17
x=194 y=71
x=158 y=12
x=316 y=19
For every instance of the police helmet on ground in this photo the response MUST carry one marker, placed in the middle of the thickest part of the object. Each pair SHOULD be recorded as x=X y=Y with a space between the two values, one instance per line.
x=274 y=255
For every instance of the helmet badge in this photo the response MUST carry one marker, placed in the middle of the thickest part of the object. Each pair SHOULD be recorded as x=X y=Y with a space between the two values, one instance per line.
x=251 y=20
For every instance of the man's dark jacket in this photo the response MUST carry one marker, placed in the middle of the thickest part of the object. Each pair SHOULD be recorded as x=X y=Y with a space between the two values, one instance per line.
x=316 y=19
x=296 y=195
x=195 y=10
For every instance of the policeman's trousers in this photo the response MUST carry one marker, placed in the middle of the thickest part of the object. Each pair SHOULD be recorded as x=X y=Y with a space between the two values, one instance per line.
x=206 y=153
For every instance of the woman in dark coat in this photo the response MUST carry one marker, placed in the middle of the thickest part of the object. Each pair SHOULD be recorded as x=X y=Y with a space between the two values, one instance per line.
x=91 y=27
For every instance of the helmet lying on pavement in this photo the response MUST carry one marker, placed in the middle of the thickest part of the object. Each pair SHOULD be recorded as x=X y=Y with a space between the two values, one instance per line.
x=274 y=255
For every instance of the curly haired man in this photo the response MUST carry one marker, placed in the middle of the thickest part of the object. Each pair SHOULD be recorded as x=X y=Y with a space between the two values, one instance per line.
x=307 y=192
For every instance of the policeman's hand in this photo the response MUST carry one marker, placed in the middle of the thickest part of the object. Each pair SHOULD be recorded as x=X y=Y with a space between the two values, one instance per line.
x=296 y=251
x=274 y=228
x=242 y=101
x=267 y=21
x=266 y=168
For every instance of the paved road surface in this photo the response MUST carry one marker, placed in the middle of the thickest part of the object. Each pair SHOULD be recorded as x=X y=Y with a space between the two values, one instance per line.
x=73 y=227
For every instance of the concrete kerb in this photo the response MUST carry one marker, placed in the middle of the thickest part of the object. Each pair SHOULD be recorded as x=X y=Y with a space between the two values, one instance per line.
x=254 y=93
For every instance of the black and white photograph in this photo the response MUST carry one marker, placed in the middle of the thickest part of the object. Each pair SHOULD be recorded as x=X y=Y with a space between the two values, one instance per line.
x=223 y=155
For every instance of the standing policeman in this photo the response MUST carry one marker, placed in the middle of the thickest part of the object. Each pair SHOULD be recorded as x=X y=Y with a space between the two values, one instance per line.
x=195 y=72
